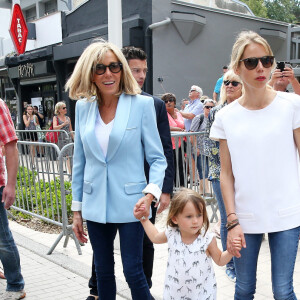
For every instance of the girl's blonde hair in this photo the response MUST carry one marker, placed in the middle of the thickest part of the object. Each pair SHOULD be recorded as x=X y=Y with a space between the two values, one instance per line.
x=244 y=39
x=81 y=85
x=180 y=199
x=229 y=75
x=58 y=106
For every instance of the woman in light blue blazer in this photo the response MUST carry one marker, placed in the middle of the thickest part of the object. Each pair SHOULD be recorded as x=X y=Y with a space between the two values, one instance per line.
x=115 y=128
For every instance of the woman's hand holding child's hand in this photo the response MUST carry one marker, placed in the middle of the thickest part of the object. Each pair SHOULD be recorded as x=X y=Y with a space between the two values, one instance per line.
x=139 y=212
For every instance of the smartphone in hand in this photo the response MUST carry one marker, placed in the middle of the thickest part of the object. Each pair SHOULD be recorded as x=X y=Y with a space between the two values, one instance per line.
x=281 y=65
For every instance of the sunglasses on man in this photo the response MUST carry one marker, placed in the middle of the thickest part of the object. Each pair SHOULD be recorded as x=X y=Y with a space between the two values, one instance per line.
x=252 y=62
x=169 y=100
x=233 y=83
x=114 y=67
x=208 y=107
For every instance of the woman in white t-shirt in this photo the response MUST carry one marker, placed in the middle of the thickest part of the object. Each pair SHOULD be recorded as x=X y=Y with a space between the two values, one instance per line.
x=259 y=135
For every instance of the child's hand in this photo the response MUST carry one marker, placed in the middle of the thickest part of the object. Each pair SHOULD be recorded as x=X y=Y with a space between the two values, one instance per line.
x=237 y=243
x=137 y=211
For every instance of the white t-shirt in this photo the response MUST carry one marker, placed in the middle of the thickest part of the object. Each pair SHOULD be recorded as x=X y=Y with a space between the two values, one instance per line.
x=264 y=162
x=102 y=132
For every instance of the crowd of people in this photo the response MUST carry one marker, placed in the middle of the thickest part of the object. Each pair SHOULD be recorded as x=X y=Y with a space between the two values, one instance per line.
x=35 y=126
x=248 y=125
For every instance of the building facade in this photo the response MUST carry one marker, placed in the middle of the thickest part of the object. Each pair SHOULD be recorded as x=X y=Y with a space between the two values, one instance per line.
x=187 y=43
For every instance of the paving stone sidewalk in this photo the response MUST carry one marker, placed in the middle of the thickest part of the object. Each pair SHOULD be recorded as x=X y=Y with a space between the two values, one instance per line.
x=64 y=274
x=46 y=280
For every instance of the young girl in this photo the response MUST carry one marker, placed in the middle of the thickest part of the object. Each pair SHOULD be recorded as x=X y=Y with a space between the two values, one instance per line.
x=190 y=273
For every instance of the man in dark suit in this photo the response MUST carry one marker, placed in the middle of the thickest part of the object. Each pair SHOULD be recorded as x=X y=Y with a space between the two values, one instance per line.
x=137 y=60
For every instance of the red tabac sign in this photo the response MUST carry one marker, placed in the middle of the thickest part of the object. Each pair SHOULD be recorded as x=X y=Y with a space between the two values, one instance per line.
x=18 y=29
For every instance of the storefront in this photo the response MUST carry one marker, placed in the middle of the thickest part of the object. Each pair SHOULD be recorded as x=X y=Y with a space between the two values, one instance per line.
x=36 y=84
x=178 y=37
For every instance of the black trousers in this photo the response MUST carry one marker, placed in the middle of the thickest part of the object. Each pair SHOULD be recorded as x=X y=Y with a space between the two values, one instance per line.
x=180 y=166
x=148 y=258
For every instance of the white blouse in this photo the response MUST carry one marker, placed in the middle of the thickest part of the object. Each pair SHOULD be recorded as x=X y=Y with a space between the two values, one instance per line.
x=102 y=132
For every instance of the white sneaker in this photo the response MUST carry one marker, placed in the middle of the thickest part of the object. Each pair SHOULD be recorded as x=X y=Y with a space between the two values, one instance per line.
x=10 y=295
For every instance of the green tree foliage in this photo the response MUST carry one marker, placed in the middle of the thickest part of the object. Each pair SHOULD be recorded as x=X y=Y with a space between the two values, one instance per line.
x=280 y=10
x=283 y=10
x=258 y=7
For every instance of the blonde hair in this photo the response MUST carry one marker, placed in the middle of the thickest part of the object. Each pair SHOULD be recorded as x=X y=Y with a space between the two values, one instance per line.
x=80 y=84
x=179 y=201
x=229 y=75
x=244 y=39
x=58 y=106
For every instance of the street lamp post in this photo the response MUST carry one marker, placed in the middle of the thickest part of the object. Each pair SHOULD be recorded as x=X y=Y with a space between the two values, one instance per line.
x=115 y=22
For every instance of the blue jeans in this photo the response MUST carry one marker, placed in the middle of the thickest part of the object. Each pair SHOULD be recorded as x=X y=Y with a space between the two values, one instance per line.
x=202 y=161
x=223 y=231
x=283 y=248
x=9 y=254
x=131 y=242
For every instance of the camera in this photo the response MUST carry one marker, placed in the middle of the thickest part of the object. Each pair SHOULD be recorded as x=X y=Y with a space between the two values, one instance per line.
x=281 y=65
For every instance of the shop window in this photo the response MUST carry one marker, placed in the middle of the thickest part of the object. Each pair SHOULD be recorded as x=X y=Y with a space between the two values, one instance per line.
x=49 y=104
x=11 y=102
x=49 y=87
x=7 y=83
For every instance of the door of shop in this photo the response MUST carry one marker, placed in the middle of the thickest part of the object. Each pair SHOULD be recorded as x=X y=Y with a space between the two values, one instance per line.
x=44 y=96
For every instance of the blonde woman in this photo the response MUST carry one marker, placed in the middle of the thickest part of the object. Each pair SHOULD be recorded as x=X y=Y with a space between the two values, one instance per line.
x=62 y=122
x=115 y=129
x=231 y=89
x=261 y=195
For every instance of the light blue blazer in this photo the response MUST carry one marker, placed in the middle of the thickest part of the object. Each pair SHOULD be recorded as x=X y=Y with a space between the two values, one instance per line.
x=106 y=189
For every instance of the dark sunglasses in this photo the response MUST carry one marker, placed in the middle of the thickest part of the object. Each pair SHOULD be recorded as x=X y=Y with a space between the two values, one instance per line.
x=64 y=108
x=233 y=83
x=208 y=107
x=115 y=67
x=252 y=62
x=192 y=91
x=170 y=100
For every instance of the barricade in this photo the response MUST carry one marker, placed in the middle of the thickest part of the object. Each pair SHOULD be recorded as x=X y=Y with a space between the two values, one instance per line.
x=185 y=165
x=44 y=180
x=43 y=187
x=39 y=135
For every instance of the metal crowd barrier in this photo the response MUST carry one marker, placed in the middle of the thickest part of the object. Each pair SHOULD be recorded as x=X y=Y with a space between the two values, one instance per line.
x=185 y=165
x=45 y=173
x=65 y=168
x=39 y=135
x=43 y=187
